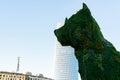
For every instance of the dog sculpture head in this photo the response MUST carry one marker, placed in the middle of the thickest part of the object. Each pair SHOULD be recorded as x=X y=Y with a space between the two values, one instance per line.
x=80 y=30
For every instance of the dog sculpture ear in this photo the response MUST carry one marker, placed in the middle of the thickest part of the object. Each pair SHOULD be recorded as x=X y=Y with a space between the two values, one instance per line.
x=85 y=6
x=66 y=19
x=86 y=9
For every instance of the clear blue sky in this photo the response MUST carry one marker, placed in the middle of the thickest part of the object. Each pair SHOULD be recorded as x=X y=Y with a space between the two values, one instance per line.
x=26 y=30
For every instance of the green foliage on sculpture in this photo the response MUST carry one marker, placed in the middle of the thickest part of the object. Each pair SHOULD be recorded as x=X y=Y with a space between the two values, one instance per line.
x=97 y=57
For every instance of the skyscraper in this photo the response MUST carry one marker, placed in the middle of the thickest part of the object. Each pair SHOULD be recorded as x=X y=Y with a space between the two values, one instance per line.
x=65 y=63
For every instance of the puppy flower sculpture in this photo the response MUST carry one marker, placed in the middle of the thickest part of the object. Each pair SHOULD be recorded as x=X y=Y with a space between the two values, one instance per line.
x=97 y=58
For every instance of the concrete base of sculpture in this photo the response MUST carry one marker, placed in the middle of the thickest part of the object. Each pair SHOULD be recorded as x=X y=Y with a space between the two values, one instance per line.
x=97 y=57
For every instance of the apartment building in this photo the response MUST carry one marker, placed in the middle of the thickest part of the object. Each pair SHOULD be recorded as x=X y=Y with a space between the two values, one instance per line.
x=11 y=76
x=36 y=77
x=20 y=76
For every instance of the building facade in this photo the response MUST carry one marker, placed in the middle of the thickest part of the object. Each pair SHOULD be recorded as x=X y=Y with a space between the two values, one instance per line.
x=20 y=76
x=11 y=76
x=40 y=77
x=37 y=78
x=66 y=66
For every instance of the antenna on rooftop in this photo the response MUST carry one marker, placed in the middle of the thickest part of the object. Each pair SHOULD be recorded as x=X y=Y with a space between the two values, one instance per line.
x=18 y=64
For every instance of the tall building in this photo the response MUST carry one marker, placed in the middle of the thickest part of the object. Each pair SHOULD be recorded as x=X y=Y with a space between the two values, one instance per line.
x=66 y=66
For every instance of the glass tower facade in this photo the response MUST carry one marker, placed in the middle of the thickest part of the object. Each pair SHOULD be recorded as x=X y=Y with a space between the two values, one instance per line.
x=65 y=63
x=66 y=66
